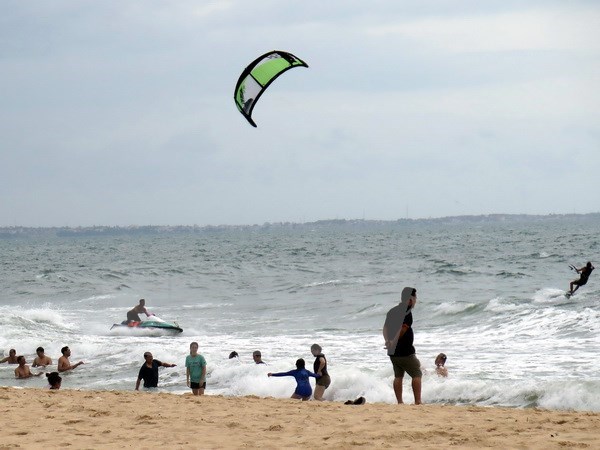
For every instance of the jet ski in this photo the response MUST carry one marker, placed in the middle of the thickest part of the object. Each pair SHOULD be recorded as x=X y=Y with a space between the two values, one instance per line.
x=152 y=325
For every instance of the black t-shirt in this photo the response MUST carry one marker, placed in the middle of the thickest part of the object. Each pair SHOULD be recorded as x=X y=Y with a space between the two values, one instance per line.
x=317 y=364
x=405 y=343
x=150 y=375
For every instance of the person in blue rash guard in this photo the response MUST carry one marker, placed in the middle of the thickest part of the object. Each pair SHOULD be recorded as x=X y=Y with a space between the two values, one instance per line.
x=303 y=390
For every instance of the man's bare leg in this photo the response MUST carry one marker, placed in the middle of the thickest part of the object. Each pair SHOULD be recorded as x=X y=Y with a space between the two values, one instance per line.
x=398 y=389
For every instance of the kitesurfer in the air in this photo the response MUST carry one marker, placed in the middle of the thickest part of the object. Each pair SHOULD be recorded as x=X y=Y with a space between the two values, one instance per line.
x=133 y=315
x=584 y=275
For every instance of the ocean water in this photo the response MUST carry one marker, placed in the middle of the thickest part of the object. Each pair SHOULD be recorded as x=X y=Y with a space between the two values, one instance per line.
x=490 y=296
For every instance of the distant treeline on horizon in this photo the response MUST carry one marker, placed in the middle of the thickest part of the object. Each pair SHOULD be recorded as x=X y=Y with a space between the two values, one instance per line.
x=99 y=230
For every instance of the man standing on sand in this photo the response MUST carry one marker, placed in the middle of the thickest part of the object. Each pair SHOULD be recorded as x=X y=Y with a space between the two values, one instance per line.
x=41 y=360
x=399 y=337
x=63 y=362
x=23 y=370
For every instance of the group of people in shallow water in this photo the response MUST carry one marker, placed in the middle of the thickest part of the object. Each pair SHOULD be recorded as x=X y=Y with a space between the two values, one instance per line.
x=397 y=332
x=195 y=364
x=41 y=360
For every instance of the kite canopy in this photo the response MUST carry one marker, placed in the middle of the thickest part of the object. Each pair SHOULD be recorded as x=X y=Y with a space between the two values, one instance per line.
x=257 y=77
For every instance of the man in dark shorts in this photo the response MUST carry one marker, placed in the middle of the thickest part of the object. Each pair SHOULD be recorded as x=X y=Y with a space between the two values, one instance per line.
x=149 y=371
x=133 y=315
x=585 y=273
x=399 y=337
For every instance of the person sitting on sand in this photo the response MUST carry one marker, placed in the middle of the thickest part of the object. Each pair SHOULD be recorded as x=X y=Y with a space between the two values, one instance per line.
x=23 y=370
x=303 y=390
x=585 y=273
x=149 y=371
x=133 y=315
x=63 y=362
x=54 y=380
x=320 y=368
x=440 y=360
x=41 y=360
x=11 y=358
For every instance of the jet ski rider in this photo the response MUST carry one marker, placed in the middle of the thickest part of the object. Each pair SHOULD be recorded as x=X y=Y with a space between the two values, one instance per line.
x=133 y=314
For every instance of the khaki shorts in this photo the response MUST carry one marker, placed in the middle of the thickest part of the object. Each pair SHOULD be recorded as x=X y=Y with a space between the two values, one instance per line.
x=324 y=381
x=409 y=364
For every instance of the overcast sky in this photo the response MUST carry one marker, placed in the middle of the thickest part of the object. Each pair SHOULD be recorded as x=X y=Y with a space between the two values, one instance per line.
x=122 y=113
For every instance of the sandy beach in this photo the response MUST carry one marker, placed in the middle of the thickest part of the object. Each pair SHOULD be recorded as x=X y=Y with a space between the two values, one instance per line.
x=35 y=418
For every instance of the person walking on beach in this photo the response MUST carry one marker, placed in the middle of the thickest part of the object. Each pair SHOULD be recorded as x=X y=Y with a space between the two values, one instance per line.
x=133 y=315
x=303 y=390
x=399 y=337
x=23 y=370
x=63 y=362
x=41 y=360
x=584 y=273
x=54 y=380
x=320 y=368
x=149 y=371
x=11 y=358
x=440 y=360
x=195 y=373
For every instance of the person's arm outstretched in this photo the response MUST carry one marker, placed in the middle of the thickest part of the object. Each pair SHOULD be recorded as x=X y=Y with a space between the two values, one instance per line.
x=281 y=374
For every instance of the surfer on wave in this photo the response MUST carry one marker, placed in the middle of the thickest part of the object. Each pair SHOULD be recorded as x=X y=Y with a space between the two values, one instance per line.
x=584 y=273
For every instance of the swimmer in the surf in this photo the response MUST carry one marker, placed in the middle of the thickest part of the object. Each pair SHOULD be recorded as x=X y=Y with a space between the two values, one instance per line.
x=303 y=389
x=23 y=370
x=11 y=358
x=440 y=360
x=584 y=275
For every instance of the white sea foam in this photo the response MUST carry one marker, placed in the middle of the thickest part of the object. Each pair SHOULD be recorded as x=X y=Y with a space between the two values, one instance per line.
x=511 y=340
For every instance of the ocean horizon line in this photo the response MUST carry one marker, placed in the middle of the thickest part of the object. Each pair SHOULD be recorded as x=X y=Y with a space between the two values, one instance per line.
x=23 y=231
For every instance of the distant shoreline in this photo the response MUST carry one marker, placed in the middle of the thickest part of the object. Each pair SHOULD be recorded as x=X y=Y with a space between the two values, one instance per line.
x=9 y=232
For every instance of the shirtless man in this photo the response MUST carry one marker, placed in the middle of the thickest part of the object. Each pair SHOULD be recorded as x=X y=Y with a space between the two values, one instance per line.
x=41 y=360
x=11 y=358
x=133 y=315
x=23 y=370
x=63 y=362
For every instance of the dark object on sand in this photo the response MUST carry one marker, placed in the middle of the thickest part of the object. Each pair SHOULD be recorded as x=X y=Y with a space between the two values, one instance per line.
x=358 y=401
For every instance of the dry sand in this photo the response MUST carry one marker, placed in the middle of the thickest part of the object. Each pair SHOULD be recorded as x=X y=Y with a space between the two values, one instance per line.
x=34 y=418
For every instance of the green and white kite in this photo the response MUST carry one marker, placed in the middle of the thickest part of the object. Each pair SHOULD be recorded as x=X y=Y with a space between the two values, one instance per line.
x=257 y=77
